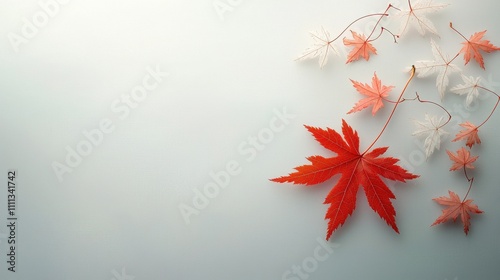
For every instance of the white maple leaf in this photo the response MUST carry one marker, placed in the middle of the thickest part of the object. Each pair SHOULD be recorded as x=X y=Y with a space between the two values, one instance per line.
x=432 y=130
x=441 y=64
x=416 y=16
x=470 y=87
x=321 y=48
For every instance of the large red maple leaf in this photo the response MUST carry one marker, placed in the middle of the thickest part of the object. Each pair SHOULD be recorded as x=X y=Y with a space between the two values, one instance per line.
x=356 y=169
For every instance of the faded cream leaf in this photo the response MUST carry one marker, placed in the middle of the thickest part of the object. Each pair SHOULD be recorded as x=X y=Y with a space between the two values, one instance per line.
x=415 y=15
x=441 y=64
x=431 y=130
x=469 y=88
x=321 y=48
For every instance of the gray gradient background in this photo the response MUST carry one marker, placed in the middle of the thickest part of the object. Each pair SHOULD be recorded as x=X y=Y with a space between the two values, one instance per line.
x=118 y=211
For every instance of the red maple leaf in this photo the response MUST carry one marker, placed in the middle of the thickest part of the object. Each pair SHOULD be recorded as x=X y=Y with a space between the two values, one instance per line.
x=375 y=93
x=474 y=45
x=469 y=134
x=456 y=207
x=356 y=169
x=361 y=47
x=461 y=159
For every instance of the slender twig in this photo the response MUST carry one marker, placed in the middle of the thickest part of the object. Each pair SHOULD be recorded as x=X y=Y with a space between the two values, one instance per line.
x=466 y=175
x=382 y=29
x=494 y=107
x=378 y=22
x=451 y=60
x=439 y=105
x=471 y=180
x=347 y=28
x=393 y=109
x=458 y=32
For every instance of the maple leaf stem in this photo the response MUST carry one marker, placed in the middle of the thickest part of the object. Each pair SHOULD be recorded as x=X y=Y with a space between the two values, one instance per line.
x=434 y=103
x=378 y=22
x=488 y=90
x=458 y=32
x=412 y=74
x=467 y=175
x=394 y=102
x=451 y=60
x=358 y=19
x=494 y=107
x=382 y=29
x=491 y=113
x=471 y=180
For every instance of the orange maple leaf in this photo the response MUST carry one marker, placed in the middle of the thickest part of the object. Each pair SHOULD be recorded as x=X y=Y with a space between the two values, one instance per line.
x=474 y=45
x=469 y=133
x=456 y=207
x=375 y=93
x=461 y=159
x=361 y=47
